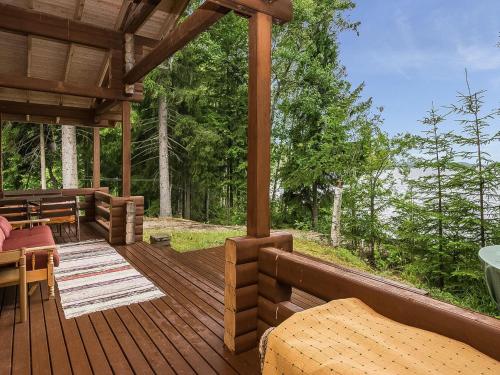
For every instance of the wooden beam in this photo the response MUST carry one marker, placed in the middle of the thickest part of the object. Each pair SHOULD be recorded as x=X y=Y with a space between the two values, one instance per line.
x=22 y=108
x=204 y=17
x=123 y=14
x=26 y=21
x=96 y=162
x=259 y=125
x=80 y=4
x=175 y=10
x=54 y=121
x=126 y=150
x=29 y=42
x=65 y=88
x=140 y=14
x=280 y=10
x=104 y=106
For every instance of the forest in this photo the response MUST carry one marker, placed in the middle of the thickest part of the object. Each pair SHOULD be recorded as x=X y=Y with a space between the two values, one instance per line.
x=416 y=205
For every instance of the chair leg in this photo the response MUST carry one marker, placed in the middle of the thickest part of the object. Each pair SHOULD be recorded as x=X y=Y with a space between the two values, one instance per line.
x=23 y=294
x=50 y=276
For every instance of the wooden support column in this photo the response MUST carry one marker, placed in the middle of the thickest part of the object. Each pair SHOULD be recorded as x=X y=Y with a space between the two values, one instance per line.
x=96 y=162
x=241 y=291
x=126 y=150
x=259 y=126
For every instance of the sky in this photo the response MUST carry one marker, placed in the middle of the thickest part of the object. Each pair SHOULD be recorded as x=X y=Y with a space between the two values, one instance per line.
x=412 y=53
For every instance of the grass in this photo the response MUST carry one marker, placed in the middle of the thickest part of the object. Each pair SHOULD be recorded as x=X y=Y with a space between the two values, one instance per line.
x=187 y=240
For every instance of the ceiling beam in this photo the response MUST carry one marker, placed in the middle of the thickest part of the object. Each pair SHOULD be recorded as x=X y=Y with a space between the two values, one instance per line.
x=37 y=23
x=76 y=115
x=140 y=14
x=280 y=10
x=66 y=88
x=204 y=17
x=53 y=121
x=22 y=108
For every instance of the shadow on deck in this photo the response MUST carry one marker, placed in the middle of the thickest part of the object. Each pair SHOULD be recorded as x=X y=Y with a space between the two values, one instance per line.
x=180 y=333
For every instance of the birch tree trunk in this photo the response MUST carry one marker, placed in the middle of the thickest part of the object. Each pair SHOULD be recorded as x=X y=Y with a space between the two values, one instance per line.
x=165 y=189
x=43 y=178
x=336 y=213
x=69 y=157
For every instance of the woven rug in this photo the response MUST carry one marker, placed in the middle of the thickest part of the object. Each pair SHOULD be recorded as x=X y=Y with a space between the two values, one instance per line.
x=92 y=277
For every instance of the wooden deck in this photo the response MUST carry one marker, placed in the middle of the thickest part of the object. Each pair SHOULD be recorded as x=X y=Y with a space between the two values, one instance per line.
x=180 y=333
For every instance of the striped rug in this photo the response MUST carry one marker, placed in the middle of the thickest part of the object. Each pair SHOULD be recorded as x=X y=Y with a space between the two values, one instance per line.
x=92 y=276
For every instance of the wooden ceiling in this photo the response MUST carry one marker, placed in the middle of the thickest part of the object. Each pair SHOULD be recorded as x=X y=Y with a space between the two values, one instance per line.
x=74 y=62
x=70 y=63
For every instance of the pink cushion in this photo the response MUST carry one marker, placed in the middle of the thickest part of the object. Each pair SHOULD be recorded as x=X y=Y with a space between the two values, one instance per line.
x=5 y=226
x=2 y=239
x=34 y=237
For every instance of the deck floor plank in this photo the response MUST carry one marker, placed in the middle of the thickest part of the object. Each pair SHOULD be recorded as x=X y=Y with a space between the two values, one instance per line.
x=40 y=358
x=7 y=324
x=58 y=353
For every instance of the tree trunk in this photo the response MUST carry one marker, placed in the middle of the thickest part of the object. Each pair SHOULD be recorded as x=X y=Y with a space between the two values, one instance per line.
x=371 y=252
x=336 y=214
x=165 y=190
x=207 y=205
x=314 y=206
x=187 y=199
x=43 y=178
x=69 y=157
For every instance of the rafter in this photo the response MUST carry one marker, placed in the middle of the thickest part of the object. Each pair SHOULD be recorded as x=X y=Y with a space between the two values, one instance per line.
x=80 y=5
x=280 y=10
x=65 y=88
x=140 y=14
x=177 y=7
x=204 y=17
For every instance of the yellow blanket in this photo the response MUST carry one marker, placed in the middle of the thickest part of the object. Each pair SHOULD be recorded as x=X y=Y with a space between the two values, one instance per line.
x=348 y=337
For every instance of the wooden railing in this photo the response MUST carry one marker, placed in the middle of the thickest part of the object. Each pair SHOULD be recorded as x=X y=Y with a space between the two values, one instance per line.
x=85 y=198
x=280 y=270
x=120 y=218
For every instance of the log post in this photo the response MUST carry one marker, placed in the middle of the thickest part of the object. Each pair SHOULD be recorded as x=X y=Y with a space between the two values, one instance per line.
x=129 y=60
x=129 y=223
x=241 y=270
x=96 y=162
x=126 y=150
x=259 y=126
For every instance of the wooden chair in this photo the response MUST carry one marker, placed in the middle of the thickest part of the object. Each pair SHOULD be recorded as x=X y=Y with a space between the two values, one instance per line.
x=61 y=210
x=13 y=272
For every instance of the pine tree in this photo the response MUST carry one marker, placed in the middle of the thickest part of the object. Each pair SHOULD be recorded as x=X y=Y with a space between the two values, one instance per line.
x=479 y=181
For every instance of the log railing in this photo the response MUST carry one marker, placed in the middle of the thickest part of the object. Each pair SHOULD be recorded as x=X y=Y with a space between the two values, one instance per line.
x=120 y=218
x=280 y=270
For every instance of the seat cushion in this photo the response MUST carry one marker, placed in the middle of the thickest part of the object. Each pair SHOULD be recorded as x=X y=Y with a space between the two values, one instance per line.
x=5 y=226
x=347 y=337
x=34 y=237
x=2 y=239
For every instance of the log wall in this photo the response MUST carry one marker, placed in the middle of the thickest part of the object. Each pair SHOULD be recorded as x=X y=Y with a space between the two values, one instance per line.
x=241 y=293
x=111 y=216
